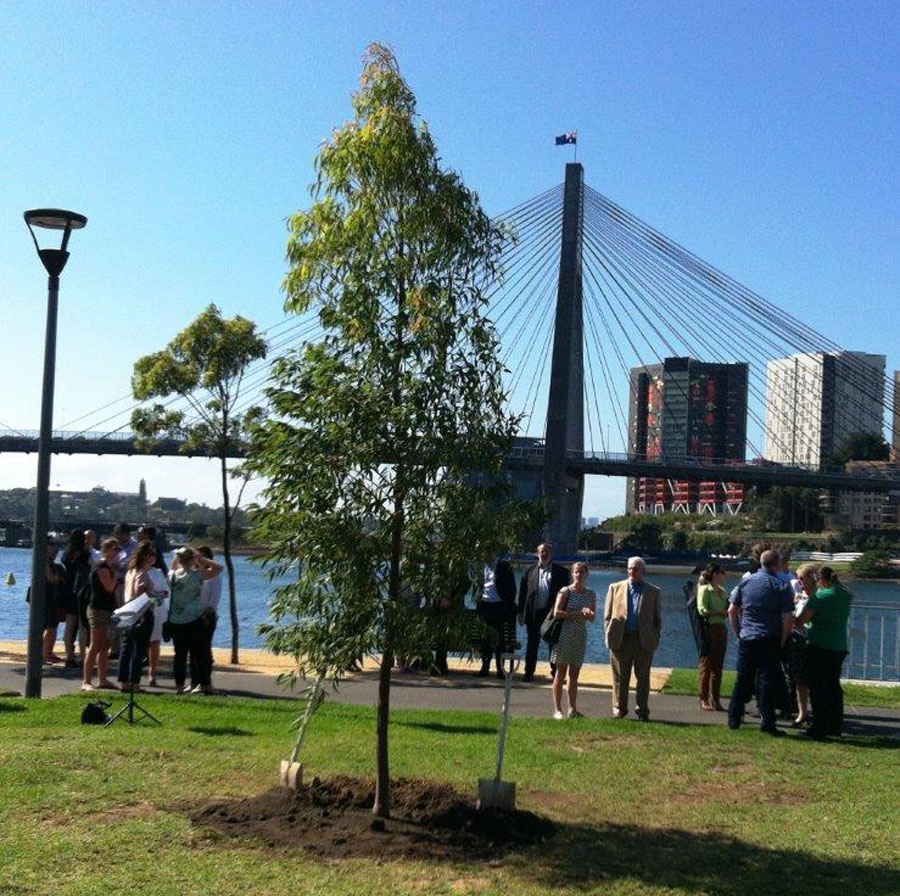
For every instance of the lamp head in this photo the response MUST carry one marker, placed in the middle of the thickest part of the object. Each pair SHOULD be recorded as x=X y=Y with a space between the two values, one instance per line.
x=54 y=260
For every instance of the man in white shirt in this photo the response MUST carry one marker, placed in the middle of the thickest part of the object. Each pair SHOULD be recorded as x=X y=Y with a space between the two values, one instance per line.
x=90 y=545
x=210 y=595
x=497 y=609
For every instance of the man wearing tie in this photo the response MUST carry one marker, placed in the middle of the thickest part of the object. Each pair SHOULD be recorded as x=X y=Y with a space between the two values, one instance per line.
x=633 y=622
x=537 y=595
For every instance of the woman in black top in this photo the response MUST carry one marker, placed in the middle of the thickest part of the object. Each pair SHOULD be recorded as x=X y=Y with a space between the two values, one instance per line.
x=76 y=593
x=100 y=610
x=52 y=603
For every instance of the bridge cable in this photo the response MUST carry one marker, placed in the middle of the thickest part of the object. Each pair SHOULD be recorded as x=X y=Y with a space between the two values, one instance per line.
x=644 y=254
x=688 y=326
x=747 y=302
x=671 y=348
x=677 y=382
x=545 y=303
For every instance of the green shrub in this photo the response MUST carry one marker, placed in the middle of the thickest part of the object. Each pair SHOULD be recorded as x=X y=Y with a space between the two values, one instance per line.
x=873 y=564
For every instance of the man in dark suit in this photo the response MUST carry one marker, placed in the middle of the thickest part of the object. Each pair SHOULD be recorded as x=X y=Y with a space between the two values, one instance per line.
x=497 y=609
x=537 y=595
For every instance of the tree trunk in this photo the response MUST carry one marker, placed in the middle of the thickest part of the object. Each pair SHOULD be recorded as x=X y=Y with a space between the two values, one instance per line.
x=229 y=563
x=382 y=806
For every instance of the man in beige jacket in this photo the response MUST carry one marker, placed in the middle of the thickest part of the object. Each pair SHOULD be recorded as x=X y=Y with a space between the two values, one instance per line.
x=632 y=621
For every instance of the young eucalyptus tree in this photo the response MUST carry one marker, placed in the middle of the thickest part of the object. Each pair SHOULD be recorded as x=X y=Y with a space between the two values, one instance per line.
x=382 y=430
x=204 y=365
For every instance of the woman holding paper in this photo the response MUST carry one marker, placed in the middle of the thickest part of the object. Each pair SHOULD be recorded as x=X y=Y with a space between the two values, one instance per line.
x=136 y=638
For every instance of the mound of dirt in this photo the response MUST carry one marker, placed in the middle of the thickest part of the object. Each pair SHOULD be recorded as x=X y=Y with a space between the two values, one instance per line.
x=332 y=817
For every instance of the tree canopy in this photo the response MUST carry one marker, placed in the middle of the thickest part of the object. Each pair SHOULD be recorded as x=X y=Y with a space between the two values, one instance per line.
x=204 y=365
x=863 y=446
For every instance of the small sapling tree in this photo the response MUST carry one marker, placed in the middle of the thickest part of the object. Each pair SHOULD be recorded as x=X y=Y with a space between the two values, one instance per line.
x=380 y=429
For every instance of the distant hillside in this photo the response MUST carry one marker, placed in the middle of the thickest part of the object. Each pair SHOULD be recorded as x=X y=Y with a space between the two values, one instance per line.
x=100 y=504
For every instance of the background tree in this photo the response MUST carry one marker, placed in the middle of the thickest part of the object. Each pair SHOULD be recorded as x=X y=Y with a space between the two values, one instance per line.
x=863 y=446
x=205 y=365
x=385 y=451
x=874 y=565
x=786 y=508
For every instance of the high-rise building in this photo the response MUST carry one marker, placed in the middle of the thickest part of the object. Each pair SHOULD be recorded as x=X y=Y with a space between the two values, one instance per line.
x=864 y=510
x=686 y=408
x=814 y=401
x=895 y=434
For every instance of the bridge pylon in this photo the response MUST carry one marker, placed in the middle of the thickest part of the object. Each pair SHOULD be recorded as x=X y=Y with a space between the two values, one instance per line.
x=564 y=493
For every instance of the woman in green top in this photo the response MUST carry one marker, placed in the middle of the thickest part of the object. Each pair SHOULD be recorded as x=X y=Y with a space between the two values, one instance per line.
x=827 y=612
x=712 y=605
x=188 y=619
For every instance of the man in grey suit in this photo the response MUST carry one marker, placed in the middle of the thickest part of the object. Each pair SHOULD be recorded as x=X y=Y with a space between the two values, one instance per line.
x=632 y=622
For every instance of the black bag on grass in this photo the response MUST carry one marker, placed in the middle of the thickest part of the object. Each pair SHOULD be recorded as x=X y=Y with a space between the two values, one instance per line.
x=95 y=713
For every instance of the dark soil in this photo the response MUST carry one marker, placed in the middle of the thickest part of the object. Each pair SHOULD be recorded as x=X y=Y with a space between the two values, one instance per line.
x=332 y=818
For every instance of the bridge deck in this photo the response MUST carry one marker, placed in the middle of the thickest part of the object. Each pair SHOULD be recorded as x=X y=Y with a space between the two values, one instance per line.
x=527 y=454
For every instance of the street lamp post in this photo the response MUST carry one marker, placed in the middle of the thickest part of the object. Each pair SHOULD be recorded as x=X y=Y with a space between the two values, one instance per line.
x=54 y=260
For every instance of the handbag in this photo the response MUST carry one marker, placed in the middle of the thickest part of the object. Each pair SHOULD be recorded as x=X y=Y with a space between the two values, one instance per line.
x=166 y=630
x=551 y=627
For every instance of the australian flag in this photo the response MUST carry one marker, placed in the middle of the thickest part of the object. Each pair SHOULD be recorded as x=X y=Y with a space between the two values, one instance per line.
x=570 y=137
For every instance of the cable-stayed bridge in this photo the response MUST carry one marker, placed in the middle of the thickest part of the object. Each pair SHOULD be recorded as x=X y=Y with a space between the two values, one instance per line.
x=597 y=315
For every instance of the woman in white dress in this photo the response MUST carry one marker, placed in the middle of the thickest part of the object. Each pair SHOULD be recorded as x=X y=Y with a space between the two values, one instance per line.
x=160 y=593
x=576 y=605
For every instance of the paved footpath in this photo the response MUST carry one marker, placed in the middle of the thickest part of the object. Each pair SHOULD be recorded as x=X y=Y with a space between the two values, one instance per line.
x=256 y=677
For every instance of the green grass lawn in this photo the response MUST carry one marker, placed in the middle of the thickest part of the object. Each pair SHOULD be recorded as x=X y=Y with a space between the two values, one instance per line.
x=684 y=681
x=668 y=809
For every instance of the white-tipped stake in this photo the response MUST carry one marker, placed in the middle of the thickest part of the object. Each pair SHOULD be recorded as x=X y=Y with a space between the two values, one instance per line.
x=291 y=774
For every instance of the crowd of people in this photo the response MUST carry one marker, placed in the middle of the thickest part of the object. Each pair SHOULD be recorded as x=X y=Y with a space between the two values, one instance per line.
x=631 y=618
x=791 y=631
x=790 y=627
x=120 y=601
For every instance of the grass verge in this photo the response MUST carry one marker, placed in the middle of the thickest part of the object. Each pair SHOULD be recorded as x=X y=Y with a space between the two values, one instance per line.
x=684 y=681
x=644 y=809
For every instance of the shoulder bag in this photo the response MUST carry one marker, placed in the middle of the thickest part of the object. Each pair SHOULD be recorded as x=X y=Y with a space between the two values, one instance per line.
x=551 y=626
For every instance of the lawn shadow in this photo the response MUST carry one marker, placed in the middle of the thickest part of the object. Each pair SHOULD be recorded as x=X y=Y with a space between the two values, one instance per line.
x=881 y=725
x=867 y=740
x=12 y=707
x=585 y=857
x=224 y=731
x=443 y=728
x=239 y=692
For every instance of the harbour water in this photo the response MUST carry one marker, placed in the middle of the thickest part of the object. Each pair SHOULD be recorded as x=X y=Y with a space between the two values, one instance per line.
x=874 y=625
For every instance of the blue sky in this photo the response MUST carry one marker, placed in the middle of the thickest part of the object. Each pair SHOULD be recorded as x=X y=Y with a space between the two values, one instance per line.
x=761 y=136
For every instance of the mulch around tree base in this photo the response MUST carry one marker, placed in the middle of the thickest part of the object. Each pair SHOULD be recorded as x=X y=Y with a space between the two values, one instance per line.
x=332 y=818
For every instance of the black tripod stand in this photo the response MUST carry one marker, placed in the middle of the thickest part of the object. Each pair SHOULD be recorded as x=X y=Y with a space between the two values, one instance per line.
x=129 y=708
x=129 y=630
